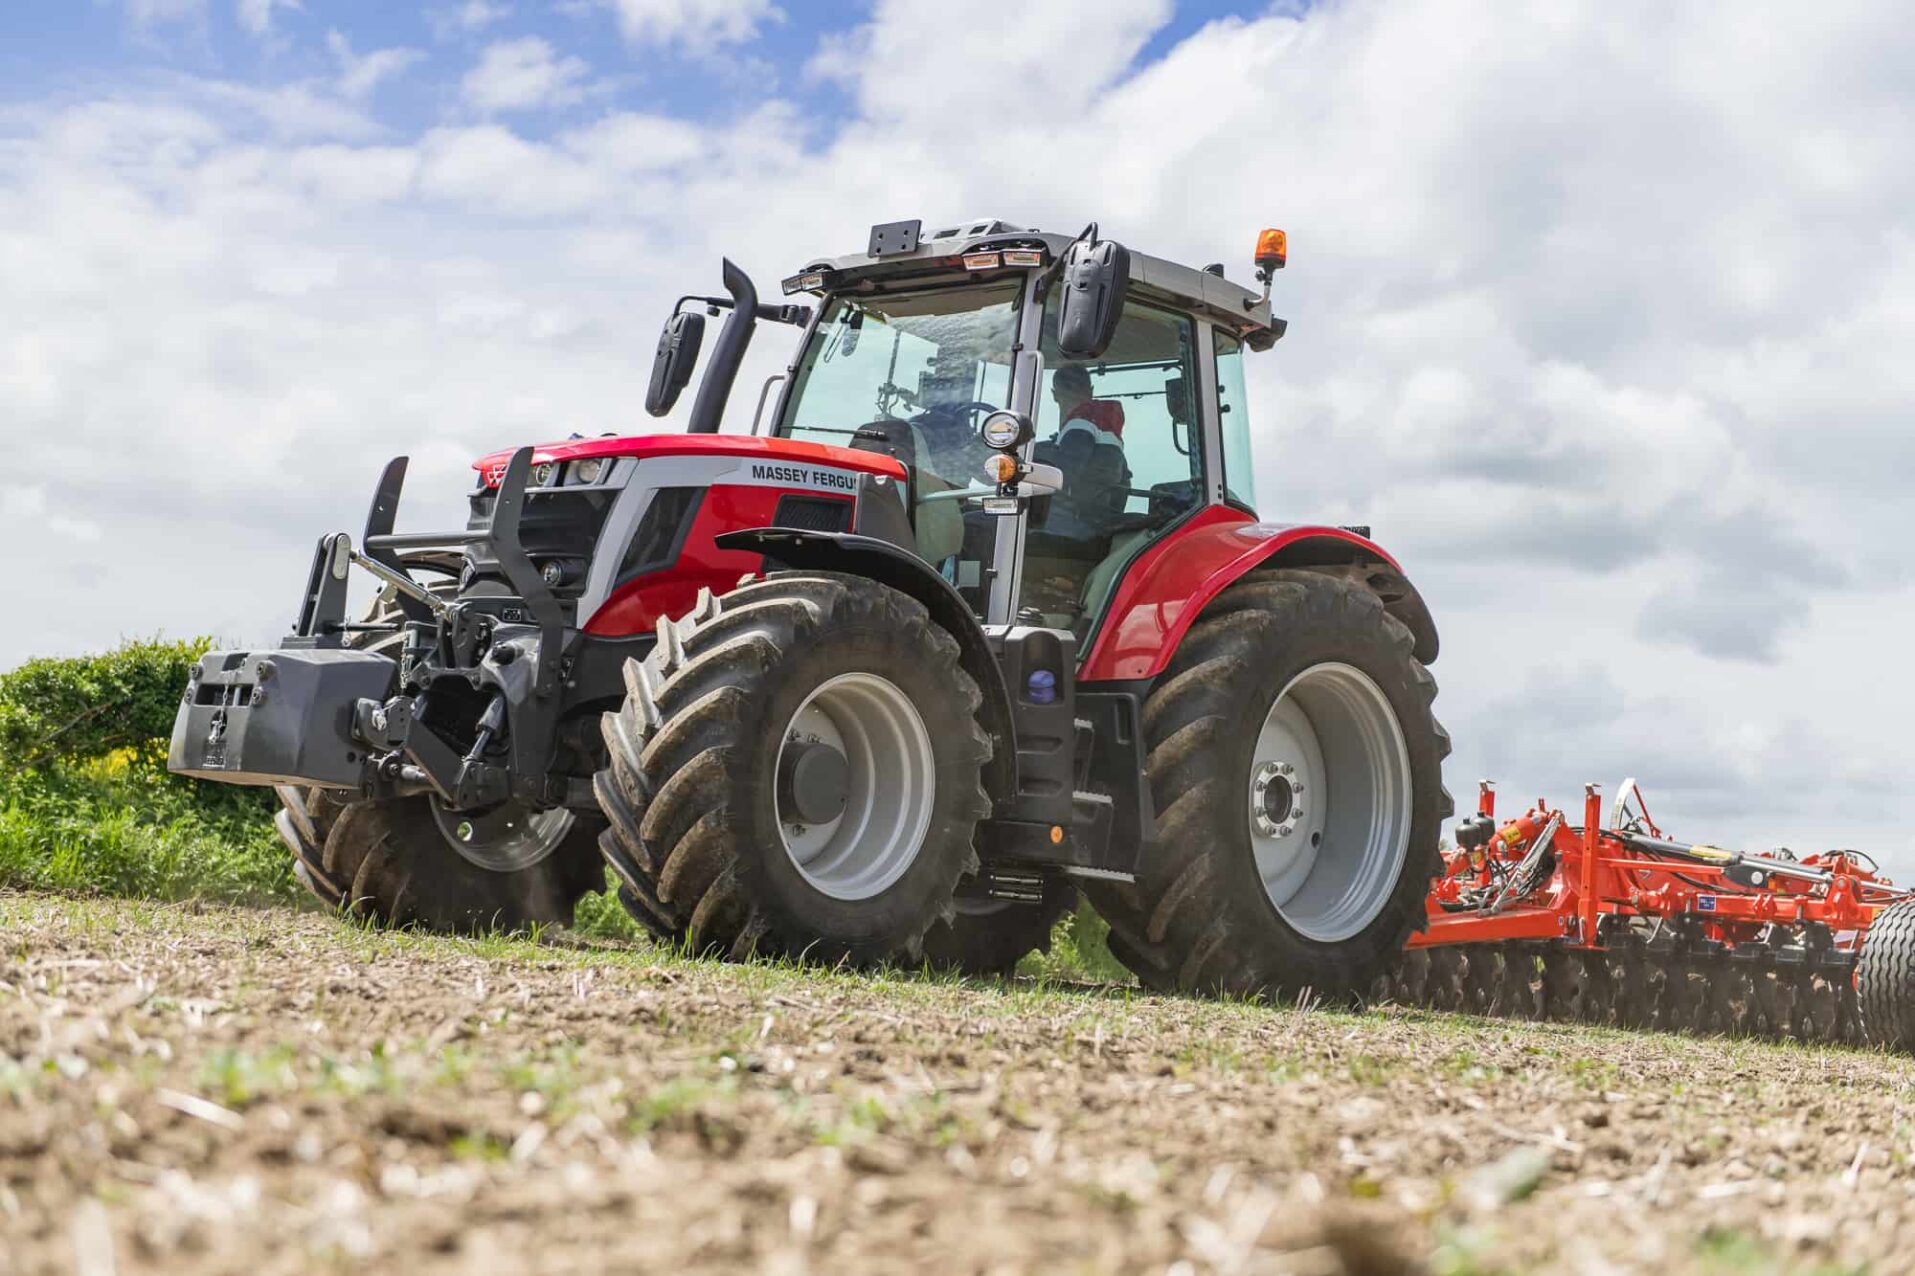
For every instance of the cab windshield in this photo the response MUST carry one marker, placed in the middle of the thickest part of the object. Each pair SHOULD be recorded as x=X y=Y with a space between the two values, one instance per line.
x=937 y=361
x=912 y=375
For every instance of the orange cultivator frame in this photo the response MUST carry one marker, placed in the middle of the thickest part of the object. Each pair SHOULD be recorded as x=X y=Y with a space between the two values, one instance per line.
x=1631 y=870
x=1540 y=918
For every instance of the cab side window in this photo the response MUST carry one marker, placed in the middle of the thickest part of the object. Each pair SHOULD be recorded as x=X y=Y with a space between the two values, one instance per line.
x=1123 y=431
x=1233 y=408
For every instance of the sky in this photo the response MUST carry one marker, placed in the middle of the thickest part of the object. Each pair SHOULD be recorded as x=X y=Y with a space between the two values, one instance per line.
x=1600 y=311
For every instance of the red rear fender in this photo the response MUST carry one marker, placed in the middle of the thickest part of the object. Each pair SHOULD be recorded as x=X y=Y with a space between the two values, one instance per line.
x=1170 y=584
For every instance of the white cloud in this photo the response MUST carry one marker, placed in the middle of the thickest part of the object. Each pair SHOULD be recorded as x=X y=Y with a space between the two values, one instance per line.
x=297 y=111
x=492 y=168
x=31 y=504
x=472 y=15
x=256 y=16
x=1004 y=60
x=628 y=143
x=1600 y=316
x=150 y=13
x=516 y=75
x=700 y=25
x=360 y=74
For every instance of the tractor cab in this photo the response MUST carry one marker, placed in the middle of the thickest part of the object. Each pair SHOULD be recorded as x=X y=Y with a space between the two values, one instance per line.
x=920 y=339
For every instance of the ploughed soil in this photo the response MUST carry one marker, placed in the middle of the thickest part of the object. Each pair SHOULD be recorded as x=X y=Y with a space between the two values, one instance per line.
x=213 y=1090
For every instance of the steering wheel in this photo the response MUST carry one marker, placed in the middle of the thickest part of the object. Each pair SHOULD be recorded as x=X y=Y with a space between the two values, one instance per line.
x=960 y=412
x=951 y=432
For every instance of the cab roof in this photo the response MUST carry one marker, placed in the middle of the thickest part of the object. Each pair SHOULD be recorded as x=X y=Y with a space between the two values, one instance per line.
x=906 y=257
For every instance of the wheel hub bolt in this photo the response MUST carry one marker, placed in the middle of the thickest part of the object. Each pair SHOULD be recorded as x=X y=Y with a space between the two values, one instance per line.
x=1274 y=805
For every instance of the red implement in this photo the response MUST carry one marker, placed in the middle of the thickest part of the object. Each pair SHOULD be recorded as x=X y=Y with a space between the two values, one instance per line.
x=1539 y=917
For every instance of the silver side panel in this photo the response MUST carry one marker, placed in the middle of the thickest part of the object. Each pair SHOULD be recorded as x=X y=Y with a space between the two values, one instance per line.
x=642 y=482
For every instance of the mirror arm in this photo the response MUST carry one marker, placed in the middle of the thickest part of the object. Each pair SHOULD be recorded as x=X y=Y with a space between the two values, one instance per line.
x=793 y=313
x=1056 y=268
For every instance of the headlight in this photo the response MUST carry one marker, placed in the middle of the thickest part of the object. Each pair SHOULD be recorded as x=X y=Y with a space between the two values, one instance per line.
x=542 y=474
x=1005 y=430
x=586 y=471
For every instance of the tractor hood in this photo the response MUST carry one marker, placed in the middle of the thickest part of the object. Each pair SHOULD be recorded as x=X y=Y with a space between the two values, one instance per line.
x=491 y=467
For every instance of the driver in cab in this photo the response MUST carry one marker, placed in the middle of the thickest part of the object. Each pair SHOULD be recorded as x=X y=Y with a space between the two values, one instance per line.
x=1088 y=449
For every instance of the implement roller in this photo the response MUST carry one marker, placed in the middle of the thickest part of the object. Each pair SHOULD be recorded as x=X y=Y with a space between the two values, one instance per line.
x=1538 y=918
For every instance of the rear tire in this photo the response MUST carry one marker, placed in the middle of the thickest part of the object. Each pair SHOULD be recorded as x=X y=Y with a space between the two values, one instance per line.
x=1204 y=915
x=701 y=789
x=388 y=861
x=1885 y=978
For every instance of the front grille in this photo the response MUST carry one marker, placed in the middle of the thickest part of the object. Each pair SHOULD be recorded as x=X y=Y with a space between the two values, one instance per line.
x=812 y=514
x=661 y=533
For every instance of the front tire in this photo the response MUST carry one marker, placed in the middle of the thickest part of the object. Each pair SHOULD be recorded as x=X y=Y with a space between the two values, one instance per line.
x=1296 y=768
x=393 y=862
x=797 y=770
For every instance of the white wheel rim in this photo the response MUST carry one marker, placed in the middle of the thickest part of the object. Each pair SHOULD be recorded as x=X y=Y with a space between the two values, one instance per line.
x=889 y=789
x=1329 y=798
x=506 y=839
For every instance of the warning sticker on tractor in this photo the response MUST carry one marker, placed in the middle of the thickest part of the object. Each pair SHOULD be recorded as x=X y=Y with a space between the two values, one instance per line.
x=1705 y=903
x=818 y=478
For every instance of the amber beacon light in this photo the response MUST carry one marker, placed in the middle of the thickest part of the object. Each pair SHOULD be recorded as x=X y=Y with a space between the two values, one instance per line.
x=1273 y=249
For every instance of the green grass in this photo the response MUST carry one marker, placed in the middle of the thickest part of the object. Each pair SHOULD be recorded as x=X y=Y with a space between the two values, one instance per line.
x=1079 y=952
x=603 y=917
x=1731 y=1250
x=120 y=825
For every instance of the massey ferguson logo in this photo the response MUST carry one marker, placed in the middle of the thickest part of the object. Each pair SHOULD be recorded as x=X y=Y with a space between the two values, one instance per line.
x=804 y=476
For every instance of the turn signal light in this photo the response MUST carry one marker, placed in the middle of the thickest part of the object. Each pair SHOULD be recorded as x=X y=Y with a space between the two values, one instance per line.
x=1273 y=249
x=1001 y=468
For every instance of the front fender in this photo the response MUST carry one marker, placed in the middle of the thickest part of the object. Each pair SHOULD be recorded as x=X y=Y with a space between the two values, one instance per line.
x=873 y=559
x=1169 y=585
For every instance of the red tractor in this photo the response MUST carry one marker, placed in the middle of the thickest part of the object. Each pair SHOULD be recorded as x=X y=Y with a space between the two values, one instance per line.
x=980 y=612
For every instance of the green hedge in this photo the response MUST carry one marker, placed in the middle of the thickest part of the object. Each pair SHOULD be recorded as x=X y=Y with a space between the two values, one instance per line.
x=86 y=802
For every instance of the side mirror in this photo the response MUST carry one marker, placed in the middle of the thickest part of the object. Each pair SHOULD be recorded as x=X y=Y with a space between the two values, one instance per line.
x=673 y=363
x=1096 y=276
